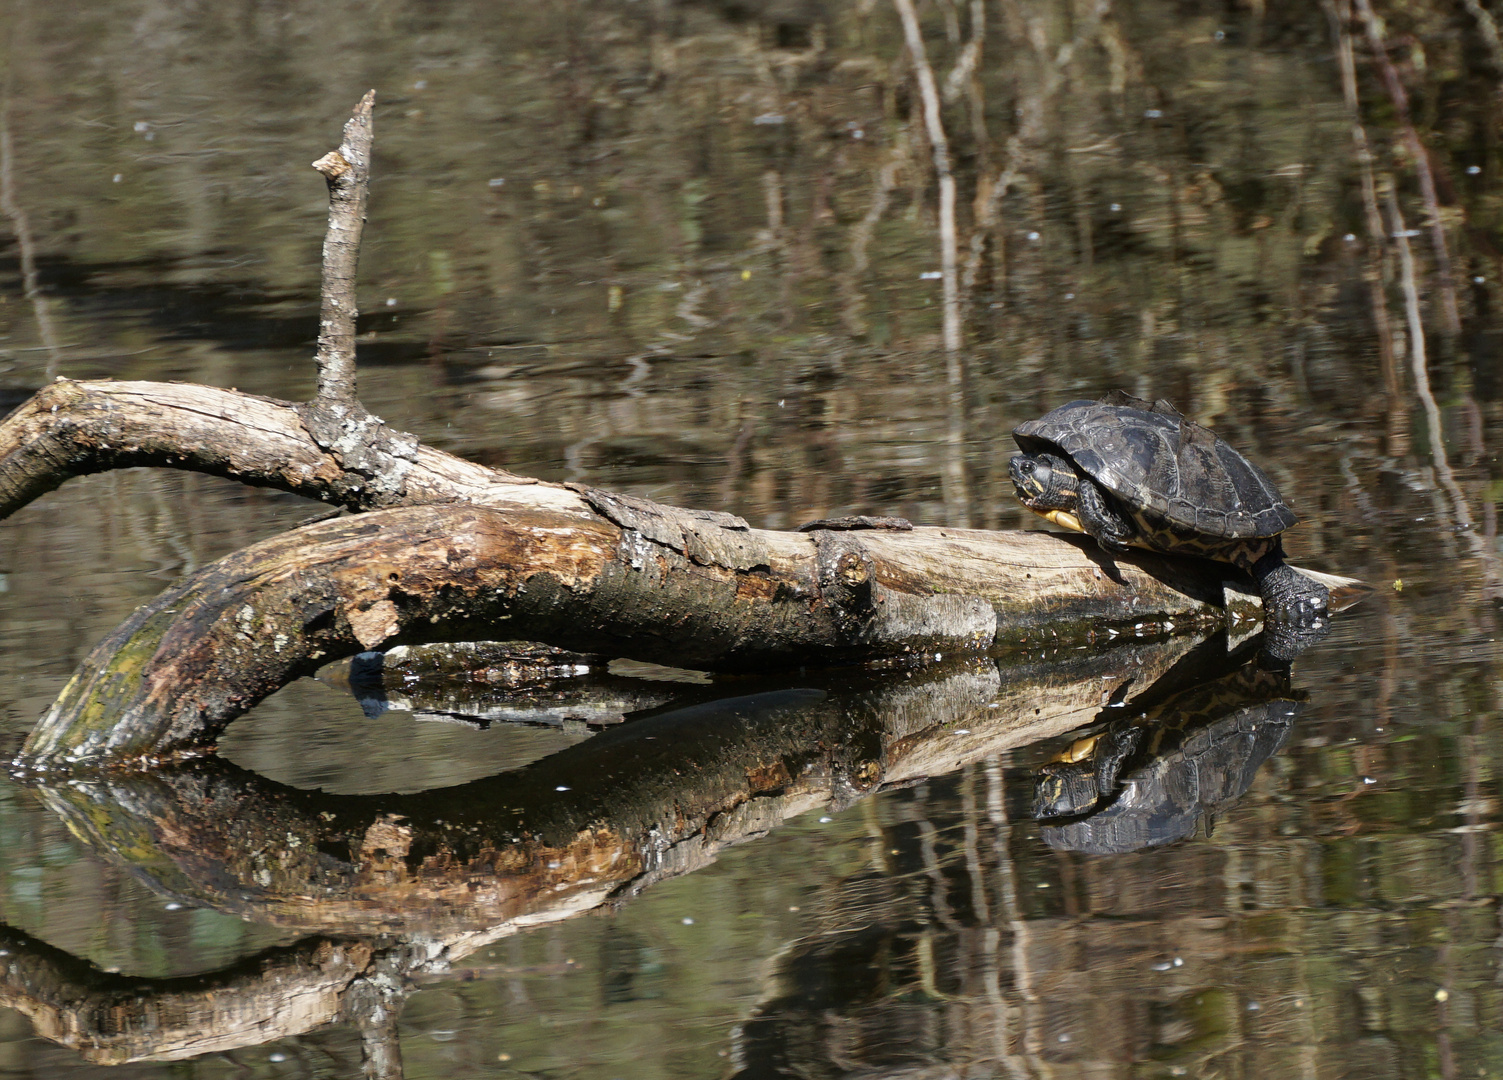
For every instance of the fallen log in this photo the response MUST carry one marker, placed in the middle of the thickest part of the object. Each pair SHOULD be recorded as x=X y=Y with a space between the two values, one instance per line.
x=636 y=580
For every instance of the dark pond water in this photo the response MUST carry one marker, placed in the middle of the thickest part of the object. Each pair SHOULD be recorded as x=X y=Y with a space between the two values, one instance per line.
x=691 y=251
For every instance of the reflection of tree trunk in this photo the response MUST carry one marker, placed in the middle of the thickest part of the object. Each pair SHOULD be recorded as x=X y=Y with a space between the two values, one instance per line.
x=21 y=226
x=940 y=146
x=1450 y=317
x=1375 y=264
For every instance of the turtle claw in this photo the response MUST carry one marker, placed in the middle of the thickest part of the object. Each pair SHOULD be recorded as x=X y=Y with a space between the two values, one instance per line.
x=1291 y=598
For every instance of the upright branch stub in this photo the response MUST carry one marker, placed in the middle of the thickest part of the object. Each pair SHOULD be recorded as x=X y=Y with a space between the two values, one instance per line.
x=348 y=171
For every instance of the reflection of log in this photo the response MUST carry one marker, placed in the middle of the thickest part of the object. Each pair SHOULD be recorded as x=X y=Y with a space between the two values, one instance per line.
x=481 y=683
x=458 y=868
x=609 y=574
x=112 y=1019
x=952 y=935
x=655 y=797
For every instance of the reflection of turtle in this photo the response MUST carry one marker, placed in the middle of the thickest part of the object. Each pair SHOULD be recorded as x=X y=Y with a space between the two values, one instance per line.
x=1131 y=473
x=1147 y=782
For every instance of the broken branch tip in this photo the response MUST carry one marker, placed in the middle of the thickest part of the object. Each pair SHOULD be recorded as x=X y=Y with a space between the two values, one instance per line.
x=333 y=165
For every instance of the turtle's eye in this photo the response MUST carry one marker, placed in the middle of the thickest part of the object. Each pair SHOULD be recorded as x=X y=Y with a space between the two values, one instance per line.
x=1025 y=466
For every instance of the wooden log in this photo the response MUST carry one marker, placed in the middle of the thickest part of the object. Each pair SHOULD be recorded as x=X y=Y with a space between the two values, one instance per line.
x=639 y=580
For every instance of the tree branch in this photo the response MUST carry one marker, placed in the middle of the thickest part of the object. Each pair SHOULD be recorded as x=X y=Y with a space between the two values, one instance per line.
x=348 y=172
x=73 y=429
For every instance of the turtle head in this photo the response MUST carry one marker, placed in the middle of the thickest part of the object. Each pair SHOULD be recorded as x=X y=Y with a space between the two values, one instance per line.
x=1045 y=482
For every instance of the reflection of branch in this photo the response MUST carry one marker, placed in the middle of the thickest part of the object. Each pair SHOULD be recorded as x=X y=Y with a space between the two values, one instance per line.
x=853 y=308
x=956 y=486
x=1450 y=316
x=1488 y=27
x=939 y=144
x=113 y=1019
x=1011 y=909
x=21 y=224
x=1375 y=269
x=1419 y=366
x=970 y=56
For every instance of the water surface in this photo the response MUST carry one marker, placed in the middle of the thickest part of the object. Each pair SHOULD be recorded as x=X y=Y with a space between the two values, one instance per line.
x=688 y=251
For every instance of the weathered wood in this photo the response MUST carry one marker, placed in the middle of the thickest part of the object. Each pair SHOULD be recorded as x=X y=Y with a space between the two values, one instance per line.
x=650 y=583
x=348 y=171
x=71 y=429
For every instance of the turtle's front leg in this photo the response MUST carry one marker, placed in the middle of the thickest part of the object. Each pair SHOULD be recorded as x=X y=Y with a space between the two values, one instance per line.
x=1102 y=521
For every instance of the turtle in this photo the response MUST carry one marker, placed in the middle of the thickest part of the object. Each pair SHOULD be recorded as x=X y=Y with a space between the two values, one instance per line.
x=1134 y=473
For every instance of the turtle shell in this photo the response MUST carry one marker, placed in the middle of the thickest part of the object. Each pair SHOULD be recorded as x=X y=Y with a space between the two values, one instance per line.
x=1167 y=470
